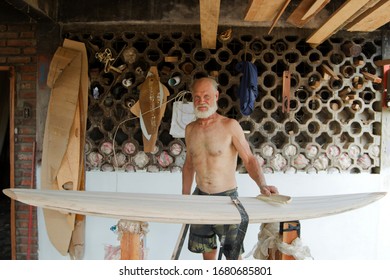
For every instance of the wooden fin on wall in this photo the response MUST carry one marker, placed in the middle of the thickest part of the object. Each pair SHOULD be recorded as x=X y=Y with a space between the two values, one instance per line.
x=305 y=11
x=336 y=21
x=209 y=17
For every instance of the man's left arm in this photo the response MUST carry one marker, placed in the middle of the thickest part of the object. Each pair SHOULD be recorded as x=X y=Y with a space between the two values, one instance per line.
x=249 y=160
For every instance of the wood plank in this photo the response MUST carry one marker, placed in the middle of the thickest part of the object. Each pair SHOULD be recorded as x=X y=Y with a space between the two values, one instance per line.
x=263 y=10
x=372 y=77
x=371 y=19
x=361 y=12
x=297 y=17
x=132 y=241
x=382 y=62
x=314 y=8
x=336 y=21
x=286 y=91
x=329 y=71
x=209 y=17
x=278 y=15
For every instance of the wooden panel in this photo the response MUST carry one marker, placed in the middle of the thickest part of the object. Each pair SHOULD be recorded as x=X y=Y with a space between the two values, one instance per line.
x=263 y=10
x=336 y=21
x=305 y=11
x=209 y=16
x=372 y=19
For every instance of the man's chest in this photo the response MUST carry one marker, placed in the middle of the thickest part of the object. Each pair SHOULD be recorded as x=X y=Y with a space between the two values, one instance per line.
x=209 y=142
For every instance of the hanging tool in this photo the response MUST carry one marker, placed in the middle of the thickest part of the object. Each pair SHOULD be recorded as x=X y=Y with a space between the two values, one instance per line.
x=286 y=91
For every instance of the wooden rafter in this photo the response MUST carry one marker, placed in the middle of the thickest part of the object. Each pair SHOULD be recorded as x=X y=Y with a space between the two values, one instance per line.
x=317 y=5
x=371 y=19
x=305 y=11
x=209 y=16
x=263 y=10
x=278 y=15
x=361 y=11
x=336 y=21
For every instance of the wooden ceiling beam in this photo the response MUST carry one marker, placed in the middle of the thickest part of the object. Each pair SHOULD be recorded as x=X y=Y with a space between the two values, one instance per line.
x=361 y=11
x=305 y=11
x=372 y=18
x=278 y=15
x=45 y=12
x=263 y=10
x=336 y=21
x=209 y=17
x=314 y=8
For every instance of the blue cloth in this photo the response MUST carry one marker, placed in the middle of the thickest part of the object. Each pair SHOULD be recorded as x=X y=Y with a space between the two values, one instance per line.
x=247 y=91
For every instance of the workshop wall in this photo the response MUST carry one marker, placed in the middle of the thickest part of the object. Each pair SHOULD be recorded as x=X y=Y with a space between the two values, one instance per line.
x=331 y=122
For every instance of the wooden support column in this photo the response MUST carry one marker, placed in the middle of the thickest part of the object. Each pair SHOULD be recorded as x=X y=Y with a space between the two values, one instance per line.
x=289 y=231
x=273 y=235
x=132 y=238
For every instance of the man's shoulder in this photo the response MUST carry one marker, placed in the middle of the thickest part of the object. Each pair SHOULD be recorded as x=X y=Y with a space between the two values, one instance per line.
x=190 y=126
x=228 y=121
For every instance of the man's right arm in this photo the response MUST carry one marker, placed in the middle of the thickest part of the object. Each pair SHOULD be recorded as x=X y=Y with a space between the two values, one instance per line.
x=187 y=175
x=188 y=171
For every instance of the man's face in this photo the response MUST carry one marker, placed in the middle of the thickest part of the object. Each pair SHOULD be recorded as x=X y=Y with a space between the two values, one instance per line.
x=205 y=100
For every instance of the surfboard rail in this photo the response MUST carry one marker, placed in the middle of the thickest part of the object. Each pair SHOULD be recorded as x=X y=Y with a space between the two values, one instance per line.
x=190 y=209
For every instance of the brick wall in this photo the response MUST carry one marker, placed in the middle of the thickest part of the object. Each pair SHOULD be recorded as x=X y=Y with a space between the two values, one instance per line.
x=18 y=48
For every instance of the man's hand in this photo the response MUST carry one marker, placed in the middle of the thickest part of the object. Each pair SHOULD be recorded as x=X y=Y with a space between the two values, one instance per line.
x=268 y=190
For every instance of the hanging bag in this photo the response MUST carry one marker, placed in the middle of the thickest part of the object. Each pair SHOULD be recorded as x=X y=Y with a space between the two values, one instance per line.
x=182 y=115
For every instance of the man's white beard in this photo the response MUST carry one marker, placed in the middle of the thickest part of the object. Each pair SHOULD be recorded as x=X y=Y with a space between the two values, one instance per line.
x=205 y=114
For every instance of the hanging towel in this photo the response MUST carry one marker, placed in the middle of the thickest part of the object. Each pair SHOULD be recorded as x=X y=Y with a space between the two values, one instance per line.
x=247 y=91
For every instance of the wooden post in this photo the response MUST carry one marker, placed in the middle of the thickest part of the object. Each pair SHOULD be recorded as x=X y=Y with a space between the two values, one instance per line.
x=132 y=236
x=289 y=232
x=286 y=91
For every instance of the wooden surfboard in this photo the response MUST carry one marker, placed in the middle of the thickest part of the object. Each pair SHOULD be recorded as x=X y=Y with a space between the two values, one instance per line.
x=168 y=208
x=64 y=140
x=76 y=246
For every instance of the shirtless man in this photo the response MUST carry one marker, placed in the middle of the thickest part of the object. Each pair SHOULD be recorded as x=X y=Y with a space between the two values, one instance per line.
x=213 y=144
